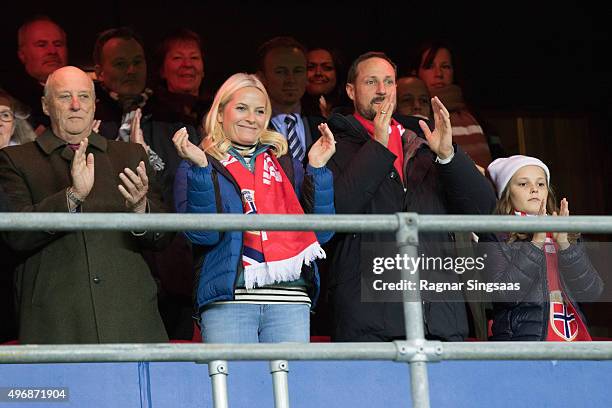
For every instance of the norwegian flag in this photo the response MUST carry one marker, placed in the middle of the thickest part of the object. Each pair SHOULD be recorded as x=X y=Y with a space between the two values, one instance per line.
x=564 y=321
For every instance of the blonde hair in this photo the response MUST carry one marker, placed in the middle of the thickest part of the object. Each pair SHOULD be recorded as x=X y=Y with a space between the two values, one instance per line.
x=217 y=143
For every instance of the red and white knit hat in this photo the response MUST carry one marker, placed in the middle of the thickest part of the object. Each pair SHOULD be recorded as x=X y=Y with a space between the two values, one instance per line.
x=501 y=170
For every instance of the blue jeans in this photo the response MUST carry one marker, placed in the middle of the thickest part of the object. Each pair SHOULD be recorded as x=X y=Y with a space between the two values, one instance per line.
x=249 y=323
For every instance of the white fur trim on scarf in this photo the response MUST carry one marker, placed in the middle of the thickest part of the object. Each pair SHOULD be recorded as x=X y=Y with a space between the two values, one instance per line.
x=287 y=270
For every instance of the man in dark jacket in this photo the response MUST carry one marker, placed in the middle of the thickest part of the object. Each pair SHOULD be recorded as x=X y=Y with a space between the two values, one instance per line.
x=81 y=286
x=379 y=168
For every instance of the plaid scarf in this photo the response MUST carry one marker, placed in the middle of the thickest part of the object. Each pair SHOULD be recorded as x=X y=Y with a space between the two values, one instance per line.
x=271 y=256
x=564 y=322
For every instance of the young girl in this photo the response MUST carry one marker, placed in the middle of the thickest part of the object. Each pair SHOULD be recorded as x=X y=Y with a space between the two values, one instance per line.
x=552 y=269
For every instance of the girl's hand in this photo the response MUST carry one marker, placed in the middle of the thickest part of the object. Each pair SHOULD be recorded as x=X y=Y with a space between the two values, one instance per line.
x=188 y=150
x=539 y=237
x=561 y=237
x=324 y=148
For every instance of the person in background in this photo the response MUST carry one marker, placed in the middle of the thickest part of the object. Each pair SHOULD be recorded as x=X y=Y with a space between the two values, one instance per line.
x=281 y=66
x=413 y=104
x=413 y=97
x=553 y=270
x=124 y=102
x=434 y=65
x=253 y=286
x=42 y=48
x=81 y=286
x=14 y=130
x=180 y=66
x=324 y=89
x=14 y=127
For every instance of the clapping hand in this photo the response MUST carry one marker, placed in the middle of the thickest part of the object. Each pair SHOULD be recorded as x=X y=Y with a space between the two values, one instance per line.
x=136 y=135
x=82 y=171
x=441 y=139
x=324 y=107
x=95 y=126
x=323 y=149
x=188 y=150
x=135 y=187
x=540 y=237
x=561 y=237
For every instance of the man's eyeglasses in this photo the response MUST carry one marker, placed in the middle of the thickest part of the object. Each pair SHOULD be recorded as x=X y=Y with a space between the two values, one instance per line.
x=7 y=116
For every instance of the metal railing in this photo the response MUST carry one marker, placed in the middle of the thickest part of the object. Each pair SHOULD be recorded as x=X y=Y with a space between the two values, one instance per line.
x=415 y=350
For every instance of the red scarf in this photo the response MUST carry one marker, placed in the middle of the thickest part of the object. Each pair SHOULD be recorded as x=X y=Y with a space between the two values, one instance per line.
x=564 y=322
x=395 y=140
x=271 y=256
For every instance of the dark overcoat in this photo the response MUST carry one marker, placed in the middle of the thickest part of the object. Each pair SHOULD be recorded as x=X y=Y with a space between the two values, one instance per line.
x=80 y=286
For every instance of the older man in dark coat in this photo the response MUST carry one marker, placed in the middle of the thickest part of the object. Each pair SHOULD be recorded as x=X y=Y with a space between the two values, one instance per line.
x=82 y=286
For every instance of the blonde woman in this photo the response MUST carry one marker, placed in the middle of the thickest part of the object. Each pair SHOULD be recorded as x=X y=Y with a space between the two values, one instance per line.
x=253 y=286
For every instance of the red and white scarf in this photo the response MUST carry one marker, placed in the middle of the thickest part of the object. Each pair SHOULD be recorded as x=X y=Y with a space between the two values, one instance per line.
x=271 y=256
x=564 y=321
x=395 y=140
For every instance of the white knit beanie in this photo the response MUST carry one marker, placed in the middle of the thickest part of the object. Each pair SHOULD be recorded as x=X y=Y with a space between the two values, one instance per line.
x=501 y=170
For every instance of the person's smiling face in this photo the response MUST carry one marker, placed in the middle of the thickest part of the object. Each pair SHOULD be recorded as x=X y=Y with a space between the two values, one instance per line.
x=244 y=117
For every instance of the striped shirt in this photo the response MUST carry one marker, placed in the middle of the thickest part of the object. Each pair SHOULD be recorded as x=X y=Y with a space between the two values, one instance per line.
x=271 y=295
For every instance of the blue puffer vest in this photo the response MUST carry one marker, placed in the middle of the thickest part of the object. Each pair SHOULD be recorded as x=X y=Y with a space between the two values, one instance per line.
x=212 y=190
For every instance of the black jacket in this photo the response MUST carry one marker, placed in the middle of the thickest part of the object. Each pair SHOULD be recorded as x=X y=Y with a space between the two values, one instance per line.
x=524 y=315
x=366 y=182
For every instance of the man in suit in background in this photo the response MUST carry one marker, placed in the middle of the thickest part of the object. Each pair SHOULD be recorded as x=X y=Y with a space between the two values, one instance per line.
x=41 y=48
x=281 y=66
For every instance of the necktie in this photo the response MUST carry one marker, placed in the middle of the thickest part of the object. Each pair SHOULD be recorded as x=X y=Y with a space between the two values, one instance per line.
x=295 y=147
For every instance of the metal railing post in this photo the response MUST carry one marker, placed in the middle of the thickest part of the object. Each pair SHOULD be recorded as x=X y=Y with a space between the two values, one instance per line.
x=280 y=382
x=407 y=240
x=217 y=371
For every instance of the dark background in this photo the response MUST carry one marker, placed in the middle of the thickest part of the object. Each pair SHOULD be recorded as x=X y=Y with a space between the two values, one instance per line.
x=508 y=55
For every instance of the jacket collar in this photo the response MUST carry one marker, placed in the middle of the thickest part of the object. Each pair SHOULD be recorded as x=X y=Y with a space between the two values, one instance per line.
x=49 y=142
x=347 y=126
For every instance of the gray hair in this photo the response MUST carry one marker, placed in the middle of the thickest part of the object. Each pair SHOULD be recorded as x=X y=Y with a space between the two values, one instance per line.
x=23 y=132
